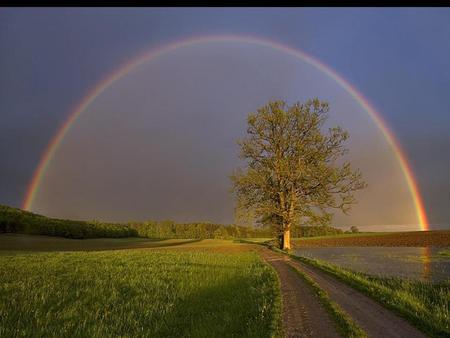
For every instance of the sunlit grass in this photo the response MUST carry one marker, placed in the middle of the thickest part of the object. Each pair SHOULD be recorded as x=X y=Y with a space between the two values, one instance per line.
x=138 y=293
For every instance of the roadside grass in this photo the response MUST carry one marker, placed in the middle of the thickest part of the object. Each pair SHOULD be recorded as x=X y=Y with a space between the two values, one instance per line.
x=139 y=293
x=423 y=304
x=345 y=324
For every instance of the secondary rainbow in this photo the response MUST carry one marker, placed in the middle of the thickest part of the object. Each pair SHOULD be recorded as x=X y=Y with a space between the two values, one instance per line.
x=160 y=51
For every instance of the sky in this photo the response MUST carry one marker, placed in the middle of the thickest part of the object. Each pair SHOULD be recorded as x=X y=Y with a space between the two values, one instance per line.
x=160 y=142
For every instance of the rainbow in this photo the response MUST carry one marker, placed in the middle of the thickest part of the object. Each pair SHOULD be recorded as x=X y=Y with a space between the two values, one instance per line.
x=53 y=146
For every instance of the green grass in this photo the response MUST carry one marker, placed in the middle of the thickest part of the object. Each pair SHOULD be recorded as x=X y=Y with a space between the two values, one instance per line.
x=345 y=324
x=139 y=293
x=444 y=253
x=425 y=305
x=255 y=240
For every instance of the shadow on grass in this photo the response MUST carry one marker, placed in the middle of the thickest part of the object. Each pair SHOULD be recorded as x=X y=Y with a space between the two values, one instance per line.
x=231 y=309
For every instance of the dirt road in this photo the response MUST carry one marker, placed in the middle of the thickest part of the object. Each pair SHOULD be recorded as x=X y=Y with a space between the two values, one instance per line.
x=303 y=315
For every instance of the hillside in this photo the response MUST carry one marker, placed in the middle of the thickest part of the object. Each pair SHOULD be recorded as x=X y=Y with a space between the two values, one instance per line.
x=14 y=220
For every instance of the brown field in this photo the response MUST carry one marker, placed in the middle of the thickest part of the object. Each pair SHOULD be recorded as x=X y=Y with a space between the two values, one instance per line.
x=437 y=238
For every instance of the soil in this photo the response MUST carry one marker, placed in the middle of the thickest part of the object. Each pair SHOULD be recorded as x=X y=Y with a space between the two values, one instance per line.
x=436 y=238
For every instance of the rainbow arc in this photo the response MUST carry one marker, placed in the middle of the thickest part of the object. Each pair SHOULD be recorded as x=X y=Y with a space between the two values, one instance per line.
x=121 y=71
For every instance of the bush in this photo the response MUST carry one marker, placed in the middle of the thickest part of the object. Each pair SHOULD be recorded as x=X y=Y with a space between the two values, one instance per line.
x=354 y=229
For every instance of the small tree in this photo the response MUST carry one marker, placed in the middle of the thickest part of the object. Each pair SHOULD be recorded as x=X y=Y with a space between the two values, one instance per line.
x=221 y=233
x=292 y=174
x=354 y=229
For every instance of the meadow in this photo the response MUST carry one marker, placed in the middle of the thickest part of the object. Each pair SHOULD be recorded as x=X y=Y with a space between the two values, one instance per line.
x=22 y=242
x=211 y=289
x=138 y=286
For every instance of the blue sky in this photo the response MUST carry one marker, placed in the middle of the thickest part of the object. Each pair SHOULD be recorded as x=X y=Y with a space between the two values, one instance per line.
x=399 y=58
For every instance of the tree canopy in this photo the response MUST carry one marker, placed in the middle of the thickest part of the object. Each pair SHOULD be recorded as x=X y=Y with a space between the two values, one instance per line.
x=294 y=172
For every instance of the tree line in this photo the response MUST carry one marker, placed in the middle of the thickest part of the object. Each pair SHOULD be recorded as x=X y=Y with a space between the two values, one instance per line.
x=19 y=221
x=13 y=220
x=204 y=230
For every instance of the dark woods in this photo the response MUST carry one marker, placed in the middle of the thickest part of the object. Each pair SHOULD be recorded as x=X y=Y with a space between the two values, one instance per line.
x=14 y=220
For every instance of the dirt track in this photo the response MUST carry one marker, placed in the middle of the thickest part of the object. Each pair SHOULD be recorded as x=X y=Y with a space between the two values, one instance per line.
x=301 y=318
x=303 y=315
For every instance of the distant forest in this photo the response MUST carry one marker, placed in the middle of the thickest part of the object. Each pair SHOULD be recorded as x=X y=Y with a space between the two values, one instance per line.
x=13 y=220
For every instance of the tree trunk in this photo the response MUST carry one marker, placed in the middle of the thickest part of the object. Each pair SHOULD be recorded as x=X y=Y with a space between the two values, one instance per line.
x=286 y=243
x=280 y=240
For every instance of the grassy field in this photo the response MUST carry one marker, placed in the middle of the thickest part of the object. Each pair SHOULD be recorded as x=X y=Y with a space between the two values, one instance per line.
x=425 y=305
x=438 y=238
x=20 y=242
x=197 y=289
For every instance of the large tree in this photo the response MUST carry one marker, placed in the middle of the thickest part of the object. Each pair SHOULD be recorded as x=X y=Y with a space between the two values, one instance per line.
x=294 y=172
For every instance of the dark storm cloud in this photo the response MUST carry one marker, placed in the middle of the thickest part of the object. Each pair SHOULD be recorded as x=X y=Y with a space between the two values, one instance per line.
x=429 y=155
x=160 y=142
x=399 y=58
